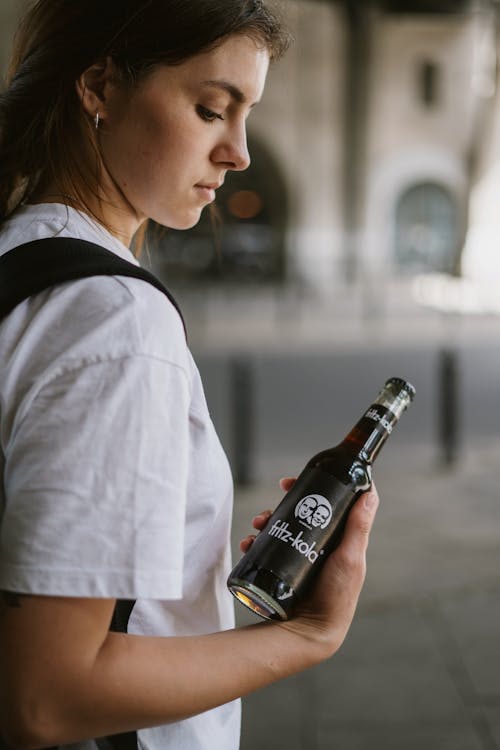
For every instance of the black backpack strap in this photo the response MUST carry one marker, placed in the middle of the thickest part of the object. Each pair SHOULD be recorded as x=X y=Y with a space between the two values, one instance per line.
x=34 y=266
x=121 y=615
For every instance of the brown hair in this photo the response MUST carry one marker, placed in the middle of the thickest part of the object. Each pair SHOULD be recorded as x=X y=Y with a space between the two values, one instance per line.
x=44 y=134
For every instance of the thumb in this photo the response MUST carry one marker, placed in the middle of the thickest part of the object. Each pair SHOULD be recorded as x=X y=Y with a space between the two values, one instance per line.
x=359 y=523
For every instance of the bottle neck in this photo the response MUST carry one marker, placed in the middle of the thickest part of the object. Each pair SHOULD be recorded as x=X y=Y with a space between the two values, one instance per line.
x=369 y=434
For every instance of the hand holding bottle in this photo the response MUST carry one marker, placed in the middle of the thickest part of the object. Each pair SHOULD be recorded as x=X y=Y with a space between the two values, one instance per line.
x=325 y=615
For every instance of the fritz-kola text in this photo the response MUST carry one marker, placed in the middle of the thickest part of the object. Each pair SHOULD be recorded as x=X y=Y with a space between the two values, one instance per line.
x=281 y=530
x=373 y=414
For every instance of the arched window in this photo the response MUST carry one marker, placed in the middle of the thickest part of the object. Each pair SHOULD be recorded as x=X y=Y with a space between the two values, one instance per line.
x=426 y=230
x=243 y=241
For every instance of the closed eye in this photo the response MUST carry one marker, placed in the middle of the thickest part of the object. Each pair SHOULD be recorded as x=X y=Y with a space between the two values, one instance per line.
x=207 y=114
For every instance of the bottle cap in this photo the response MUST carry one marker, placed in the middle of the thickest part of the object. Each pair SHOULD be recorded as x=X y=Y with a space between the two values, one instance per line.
x=403 y=385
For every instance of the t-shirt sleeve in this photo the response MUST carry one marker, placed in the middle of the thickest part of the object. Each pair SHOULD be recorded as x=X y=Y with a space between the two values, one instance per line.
x=95 y=483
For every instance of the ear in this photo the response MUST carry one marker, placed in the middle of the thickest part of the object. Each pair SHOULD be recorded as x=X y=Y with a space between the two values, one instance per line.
x=93 y=87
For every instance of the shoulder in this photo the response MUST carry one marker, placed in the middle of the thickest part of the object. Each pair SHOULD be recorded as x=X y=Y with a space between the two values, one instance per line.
x=134 y=309
x=104 y=318
x=99 y=316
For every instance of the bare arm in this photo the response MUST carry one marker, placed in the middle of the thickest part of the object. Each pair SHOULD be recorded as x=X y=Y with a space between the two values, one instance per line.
x=65 y=677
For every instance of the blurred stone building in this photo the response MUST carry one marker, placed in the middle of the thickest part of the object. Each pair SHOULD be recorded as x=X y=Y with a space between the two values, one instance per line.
x=376 y=124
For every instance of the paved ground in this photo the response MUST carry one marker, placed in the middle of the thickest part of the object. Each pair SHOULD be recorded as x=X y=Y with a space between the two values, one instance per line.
x=420 y=668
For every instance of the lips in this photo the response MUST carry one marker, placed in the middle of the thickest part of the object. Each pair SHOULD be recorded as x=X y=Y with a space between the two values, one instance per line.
x=211 y=185
x=208 y=189
x=206 y=193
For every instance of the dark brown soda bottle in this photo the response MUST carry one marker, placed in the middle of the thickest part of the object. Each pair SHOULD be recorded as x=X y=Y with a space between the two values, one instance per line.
x=308 y=523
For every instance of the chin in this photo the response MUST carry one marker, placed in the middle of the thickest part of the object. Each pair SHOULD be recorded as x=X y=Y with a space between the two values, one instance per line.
x=179 y=223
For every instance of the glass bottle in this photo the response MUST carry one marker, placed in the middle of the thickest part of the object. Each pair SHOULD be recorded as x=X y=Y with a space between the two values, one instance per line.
x=308 y=523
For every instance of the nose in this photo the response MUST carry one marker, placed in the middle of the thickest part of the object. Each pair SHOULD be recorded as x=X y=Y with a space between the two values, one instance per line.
x=232 y=151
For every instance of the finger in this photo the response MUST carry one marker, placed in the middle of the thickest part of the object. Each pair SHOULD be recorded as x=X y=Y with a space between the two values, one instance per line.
x=260 y=521
x=247 y=542
x=286 y=483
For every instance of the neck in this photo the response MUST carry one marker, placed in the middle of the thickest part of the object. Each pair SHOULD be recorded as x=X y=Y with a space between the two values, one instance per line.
x=109 y=207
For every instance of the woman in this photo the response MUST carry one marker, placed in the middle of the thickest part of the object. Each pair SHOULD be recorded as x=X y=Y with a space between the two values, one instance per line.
x=114 y=483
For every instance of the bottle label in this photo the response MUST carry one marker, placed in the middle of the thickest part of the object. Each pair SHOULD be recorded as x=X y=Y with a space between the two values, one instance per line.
x=281 y=530
x=305 y=526
x=381 y=416
x=373 y=429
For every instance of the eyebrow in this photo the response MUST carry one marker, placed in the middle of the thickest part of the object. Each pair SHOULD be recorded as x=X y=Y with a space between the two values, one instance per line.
x=231 y=89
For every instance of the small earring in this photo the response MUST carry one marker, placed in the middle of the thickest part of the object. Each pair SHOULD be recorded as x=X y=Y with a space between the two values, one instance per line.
x=96 y=121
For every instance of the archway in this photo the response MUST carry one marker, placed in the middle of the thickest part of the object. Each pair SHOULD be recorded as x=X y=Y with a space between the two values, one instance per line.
x=426 y=236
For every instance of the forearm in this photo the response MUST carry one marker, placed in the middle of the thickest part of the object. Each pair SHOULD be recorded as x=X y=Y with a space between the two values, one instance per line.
x=140 y=681
x=66 y=677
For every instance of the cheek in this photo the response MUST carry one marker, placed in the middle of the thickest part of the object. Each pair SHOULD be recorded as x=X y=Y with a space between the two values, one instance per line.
x=156 y=158
x=157 y=151
x=133 y=140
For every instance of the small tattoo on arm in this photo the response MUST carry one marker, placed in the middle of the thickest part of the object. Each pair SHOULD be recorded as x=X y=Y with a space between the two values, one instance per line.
x=8 y=600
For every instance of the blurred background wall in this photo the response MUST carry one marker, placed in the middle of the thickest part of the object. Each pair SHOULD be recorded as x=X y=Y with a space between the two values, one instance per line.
x=10 y=12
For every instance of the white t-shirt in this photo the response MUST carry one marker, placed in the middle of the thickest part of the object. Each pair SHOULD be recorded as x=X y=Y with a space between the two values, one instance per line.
x=113 y=481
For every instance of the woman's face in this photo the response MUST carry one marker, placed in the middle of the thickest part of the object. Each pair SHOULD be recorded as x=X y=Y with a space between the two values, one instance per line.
x=168 y=145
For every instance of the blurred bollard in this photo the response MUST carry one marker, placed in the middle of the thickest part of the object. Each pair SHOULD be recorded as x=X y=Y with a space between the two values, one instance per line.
x=448 y=405
x=242 y=406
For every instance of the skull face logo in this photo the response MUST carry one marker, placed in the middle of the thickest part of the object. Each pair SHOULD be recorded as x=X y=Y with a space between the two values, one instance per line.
x=314 y=511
